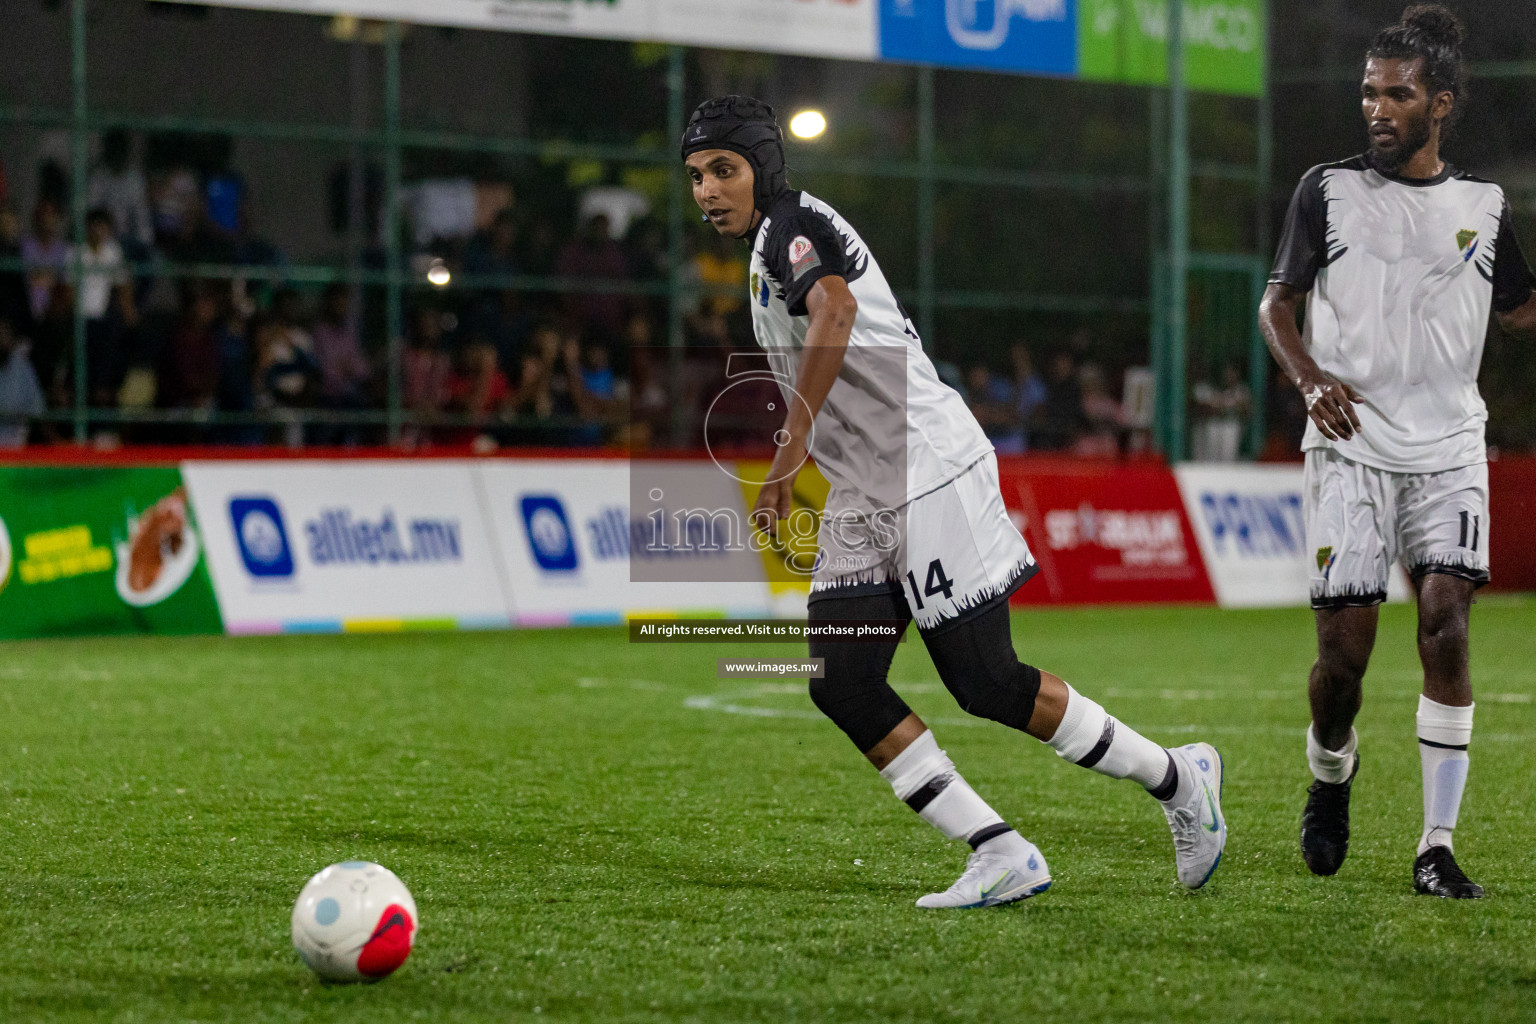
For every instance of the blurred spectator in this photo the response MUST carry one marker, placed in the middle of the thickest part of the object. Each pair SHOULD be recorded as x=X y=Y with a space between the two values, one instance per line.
x=106 y=300
x=556 y=384
x=721 y=271
x=477 y=388
x=502 y=321
x=21 y=396
x=117 y=185
x=189 y=368
x=344 y=368
x=425 y=368
x=1028 y=391
x=1101 y=412
x=540 y=248
x=594 y=254
x=183 y=231
x=1220 y=413
x=650 y=410
x=287 y=375
x=236 y=389
x=15 y=301
x=646 y=250
x=493 y=251
x=993 y=403
x=1059 y=420
x=538 y=394
x=45 y=255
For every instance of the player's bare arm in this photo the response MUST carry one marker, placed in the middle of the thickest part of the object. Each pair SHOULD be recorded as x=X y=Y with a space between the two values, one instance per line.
x=832 y=309
x=1330 y=401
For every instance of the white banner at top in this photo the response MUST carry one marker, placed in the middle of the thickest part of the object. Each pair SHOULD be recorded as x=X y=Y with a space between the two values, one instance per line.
x=820 y=28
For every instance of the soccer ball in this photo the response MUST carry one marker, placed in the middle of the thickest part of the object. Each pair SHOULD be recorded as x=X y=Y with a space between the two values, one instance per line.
x=354 y=921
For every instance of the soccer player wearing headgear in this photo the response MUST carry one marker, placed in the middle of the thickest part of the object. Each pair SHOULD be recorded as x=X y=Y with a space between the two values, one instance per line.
x=914 y=526
x=1401 y=257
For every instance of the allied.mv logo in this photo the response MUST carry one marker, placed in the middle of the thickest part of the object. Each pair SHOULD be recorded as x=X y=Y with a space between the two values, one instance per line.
x=260 y=535
x=549 y=533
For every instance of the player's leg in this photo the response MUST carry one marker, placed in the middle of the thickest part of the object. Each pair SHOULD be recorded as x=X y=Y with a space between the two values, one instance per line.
x=855 y=694
x=1345 y=638
x=1348 y=511
x=1444 y=519
x=969 y=557
x=977 y=662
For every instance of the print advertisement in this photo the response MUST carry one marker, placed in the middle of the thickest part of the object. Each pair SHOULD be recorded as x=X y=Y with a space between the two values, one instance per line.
x=1103 y=533
x=100 y=551
x=1252 y=533
x=314 y=546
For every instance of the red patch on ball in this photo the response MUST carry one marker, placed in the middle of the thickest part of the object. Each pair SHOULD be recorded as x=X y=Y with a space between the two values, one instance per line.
x=390 y=943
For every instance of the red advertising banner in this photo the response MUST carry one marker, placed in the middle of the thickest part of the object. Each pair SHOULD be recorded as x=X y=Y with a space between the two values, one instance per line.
x=1512 y=510
x=1103 y=533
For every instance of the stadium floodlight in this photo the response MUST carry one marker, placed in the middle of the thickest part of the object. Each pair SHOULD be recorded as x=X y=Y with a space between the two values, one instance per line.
x=808 y=124
x=438 y=274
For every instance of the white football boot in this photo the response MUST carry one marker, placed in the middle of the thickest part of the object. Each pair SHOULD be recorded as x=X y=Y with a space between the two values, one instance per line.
x=1195 y=819
x=1004 y=870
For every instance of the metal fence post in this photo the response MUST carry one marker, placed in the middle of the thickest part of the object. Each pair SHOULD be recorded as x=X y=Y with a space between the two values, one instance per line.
x=1258 y=361
x=925 y=204
x=394 y=294
x=77 y=199
x=1177 y=293
x=676 y=249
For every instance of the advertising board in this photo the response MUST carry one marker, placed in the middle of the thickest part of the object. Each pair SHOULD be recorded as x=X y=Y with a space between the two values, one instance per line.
x=1101 y=40
x=308 y=546
x=575 y=549
x=1103 y=533
x=1252 y=533
x=100 y=550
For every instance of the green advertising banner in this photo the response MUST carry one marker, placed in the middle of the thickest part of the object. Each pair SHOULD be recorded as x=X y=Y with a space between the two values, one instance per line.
x=100 y=550
x=1127 y=41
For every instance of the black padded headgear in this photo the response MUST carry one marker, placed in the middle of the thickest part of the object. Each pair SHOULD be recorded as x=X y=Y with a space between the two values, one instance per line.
x=747 y=127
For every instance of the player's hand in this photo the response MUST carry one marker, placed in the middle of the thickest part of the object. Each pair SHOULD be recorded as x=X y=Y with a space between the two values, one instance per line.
x=1331 y=404
x=773 y=504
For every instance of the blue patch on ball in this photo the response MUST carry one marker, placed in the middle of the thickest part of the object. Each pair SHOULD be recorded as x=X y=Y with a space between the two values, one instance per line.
x=327 y=911
x=355 y=865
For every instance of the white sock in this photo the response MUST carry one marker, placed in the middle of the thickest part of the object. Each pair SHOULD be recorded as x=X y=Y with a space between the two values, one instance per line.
x=925 y=778
x=1444 y=735
x=1331 y=765
x=1089 y=737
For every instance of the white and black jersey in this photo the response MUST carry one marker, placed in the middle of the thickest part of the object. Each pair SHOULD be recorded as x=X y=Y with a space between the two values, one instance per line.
x=889 y=430
x=1402 y=274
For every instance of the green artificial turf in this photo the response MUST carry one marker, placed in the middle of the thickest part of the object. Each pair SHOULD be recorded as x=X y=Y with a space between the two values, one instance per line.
x=587 y=843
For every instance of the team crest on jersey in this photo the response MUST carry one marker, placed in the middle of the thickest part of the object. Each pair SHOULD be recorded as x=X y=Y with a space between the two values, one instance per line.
x=802 y=256
x=1466 y=241
x=759 y=290
x=1325 y=560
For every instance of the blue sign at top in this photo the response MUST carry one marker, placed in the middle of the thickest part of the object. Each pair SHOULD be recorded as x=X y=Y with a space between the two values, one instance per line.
x=1038 y=36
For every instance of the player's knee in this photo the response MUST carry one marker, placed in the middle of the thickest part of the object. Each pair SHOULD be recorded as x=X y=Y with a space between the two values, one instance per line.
x=1342 y=667
x=862 y=705
x=977 y=663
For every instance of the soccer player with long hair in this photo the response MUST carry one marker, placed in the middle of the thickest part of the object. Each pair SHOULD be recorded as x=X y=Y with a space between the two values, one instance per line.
x=1400 y=258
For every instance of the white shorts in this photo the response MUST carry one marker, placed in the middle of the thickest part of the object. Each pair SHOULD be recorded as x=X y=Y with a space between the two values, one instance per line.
x=1360 y=520
x=951 y=553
